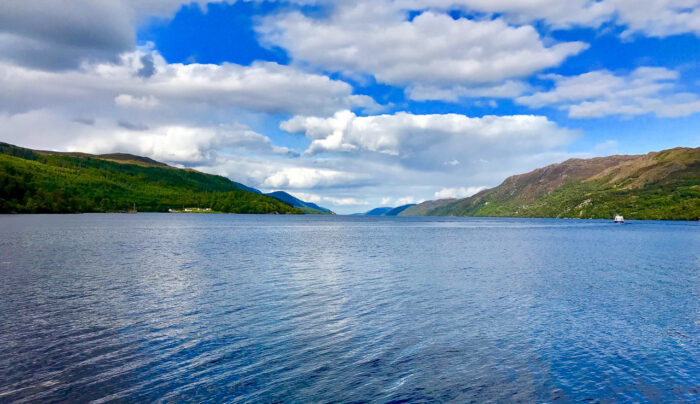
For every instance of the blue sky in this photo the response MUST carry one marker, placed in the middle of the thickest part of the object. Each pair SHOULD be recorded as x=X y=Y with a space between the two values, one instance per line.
x=353 y=104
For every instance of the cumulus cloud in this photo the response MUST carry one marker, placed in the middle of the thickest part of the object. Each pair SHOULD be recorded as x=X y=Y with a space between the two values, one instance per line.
x=169 y=143
x=302 y=177
x=344 y=201
x=130 y=101
x=429 y=54
x=305 y=178
x=406 y=200
x=348 y=181
x=72 y=78
x=306 y=197
x=261 y=87
x=55 y=34
x=429 y=141
x=457 y=192
x=323 y=200
x=657 y=18
x=175 y=144
x=602 y=93
x=192 y=115
x=417 y=157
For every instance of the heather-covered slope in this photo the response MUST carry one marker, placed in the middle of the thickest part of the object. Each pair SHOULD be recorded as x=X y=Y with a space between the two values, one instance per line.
x=659 y=185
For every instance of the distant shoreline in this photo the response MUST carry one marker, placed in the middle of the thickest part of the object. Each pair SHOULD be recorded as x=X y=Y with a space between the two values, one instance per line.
x=346 y=216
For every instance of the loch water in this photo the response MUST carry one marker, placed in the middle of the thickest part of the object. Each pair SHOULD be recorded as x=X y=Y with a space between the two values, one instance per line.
x=238 y=308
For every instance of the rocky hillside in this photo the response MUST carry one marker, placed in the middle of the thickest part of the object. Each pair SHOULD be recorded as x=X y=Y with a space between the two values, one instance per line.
x=658 y=185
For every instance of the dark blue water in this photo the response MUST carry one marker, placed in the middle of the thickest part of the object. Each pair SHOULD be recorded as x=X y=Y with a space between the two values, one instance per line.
x=233 y=308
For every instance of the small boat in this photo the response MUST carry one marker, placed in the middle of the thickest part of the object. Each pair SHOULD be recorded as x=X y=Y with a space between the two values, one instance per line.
x=619 y=219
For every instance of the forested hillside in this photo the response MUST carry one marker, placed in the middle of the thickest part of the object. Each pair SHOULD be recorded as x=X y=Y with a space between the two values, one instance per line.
x=45 y=182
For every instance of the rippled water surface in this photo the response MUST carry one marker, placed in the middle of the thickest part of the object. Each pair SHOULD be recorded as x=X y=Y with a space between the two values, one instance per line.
x=234 y=308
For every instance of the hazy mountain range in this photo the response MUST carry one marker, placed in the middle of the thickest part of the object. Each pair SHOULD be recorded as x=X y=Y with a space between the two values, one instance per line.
x=385 y=211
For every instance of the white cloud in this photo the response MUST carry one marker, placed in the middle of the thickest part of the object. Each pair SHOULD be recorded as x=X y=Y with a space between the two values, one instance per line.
x=250 y=158
x=430 y=54
x=52 y=34
x=657 y=18
x=345 y=201
x=429 y=140
x=457 y=192
x=169 y=143
x=178 y=88
x=318 y=199
x=417 y=156
x=130 y=101
x=71 y=77
x=306 y=197
x=305 y=178
x=176 y=143
x=263 y=86
x=55 y=34
x=406 y=200
x=602 y=93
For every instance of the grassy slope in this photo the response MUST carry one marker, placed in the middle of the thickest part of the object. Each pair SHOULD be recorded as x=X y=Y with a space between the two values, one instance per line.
x=663 y=185
x=44 y=182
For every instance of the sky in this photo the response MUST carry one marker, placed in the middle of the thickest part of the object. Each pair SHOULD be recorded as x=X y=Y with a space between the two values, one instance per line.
x=352 y=104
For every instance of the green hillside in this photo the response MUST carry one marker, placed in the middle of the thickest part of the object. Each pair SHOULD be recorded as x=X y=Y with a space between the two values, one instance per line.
x=660 y=185
x=46 y=182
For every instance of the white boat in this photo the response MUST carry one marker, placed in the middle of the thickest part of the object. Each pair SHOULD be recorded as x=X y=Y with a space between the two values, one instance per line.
x=619 y=219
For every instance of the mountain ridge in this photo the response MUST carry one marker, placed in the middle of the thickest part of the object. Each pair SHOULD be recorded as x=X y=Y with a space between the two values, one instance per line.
x=385 y=211
x=306 y=207
x=657 y=185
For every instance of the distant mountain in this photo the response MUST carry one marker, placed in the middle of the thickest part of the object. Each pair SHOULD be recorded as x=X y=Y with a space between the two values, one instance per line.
x=376 y=211
x=397 y=210
x=306 y=207
x=658 y=185
x=51 y=182
x=385 y=211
